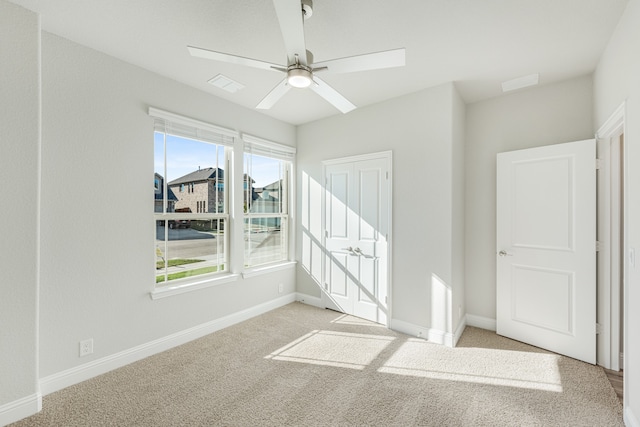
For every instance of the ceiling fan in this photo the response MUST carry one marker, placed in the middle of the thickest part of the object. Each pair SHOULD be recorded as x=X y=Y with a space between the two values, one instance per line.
x=300 y=69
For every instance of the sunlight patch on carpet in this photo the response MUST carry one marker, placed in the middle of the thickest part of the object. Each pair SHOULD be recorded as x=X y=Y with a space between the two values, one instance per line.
x=332 y=348
x=346 y=319
x=420 y=358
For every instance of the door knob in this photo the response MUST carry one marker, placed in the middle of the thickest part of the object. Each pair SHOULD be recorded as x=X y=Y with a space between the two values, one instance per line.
x=504 y=253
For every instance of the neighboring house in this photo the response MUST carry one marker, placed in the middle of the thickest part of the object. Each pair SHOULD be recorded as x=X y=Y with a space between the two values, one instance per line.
x=272 y=190
x=267 y=198
x=202 y=191
x=158 y=187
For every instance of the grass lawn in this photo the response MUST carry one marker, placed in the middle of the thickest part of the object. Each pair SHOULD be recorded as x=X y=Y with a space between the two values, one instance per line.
x=175 y=262
x=187 y=273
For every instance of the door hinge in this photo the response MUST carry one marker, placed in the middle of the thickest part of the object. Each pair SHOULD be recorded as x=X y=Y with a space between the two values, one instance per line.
x=598 y=164
x=387 y=174
x=598 y=328
x=386 y=300
x=598 y=247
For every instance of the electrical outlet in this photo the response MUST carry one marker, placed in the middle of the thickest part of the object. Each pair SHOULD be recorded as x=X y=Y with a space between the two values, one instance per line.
x=280 y=288
x=86 y=347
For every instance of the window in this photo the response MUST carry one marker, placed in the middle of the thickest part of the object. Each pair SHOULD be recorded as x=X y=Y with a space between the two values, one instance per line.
x=267 y=174
x=189 y=241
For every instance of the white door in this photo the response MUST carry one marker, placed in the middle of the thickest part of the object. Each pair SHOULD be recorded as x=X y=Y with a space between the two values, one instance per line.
x=357 y=215
x=546 y=248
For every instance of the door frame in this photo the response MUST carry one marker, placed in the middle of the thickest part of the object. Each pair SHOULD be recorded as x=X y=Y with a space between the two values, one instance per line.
x=385 y=155
x=607 y=302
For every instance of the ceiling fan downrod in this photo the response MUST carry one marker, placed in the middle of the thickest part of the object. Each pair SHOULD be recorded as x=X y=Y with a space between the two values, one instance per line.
x=307 y=9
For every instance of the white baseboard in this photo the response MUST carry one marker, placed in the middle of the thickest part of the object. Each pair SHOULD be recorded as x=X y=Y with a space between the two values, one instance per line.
x=431 y=335
x=309 y=300
x=97 y=367
x=19 y=409
x=459 y=330
x=630 y=420
x=481 y=322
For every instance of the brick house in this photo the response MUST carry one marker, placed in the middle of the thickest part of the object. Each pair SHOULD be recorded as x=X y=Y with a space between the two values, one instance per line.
x=202 y=191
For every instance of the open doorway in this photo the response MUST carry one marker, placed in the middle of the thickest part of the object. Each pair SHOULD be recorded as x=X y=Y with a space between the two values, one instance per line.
x=612 y=248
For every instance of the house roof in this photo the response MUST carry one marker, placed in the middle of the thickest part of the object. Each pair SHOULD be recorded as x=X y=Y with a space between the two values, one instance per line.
x=203 y=175
x=199 y=175
x=274 y=186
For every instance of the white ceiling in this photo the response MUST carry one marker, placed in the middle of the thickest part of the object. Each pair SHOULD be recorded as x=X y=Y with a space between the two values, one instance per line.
x=476 y=43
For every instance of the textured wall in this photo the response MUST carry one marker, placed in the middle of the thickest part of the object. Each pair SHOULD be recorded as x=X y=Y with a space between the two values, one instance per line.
x=97 y=258
x=19 y=158
x=530 y=118
x=418 y=129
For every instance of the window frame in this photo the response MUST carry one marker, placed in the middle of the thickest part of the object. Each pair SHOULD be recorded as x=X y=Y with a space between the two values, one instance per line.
x=183 y=127
x=261 y=147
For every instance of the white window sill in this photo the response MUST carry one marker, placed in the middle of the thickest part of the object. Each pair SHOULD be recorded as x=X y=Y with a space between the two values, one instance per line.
x=257 y=271
x=168 y=291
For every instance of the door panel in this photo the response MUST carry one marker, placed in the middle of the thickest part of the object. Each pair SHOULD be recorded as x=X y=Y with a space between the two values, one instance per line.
x=339 y=189
x=546 y=287
x=356 y=204
x=369 y=204
x=542 y=298
x=338 y=277
x=542 y=207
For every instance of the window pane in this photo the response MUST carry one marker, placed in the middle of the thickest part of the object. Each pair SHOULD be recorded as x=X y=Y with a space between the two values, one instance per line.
x=265 y=207
x=187 y=248
x=195 y=174
x=194 y=171
x=265 y=192
x=265 y=240
x=189 y=179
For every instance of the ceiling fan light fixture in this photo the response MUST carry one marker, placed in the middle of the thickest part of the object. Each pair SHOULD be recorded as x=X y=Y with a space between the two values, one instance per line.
x=299 y=77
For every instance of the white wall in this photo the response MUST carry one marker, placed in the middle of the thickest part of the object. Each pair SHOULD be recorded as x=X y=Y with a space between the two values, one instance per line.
x=617 y=79
x=418 y=128
x=97 y=209
x=19 y=157
x=458 y=210
x=533 y=117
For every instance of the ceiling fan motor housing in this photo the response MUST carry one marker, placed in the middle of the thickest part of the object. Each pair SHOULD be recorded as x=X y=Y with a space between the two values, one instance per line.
x=299 y=76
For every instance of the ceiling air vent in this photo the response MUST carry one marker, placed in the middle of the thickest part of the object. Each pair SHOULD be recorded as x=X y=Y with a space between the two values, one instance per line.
x=225 y=83
x=520 y=82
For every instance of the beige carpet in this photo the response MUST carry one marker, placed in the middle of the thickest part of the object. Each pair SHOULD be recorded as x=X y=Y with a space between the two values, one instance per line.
x=299 y=365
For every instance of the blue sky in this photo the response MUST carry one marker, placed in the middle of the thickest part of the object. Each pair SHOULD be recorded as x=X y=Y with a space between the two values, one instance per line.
x=186 y=155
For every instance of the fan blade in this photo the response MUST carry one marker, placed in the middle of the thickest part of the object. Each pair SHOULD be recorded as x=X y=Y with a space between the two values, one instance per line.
x=233 y=59
x=289 y=14
x=368 y=61
x=273 y=96
x=331 y=95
